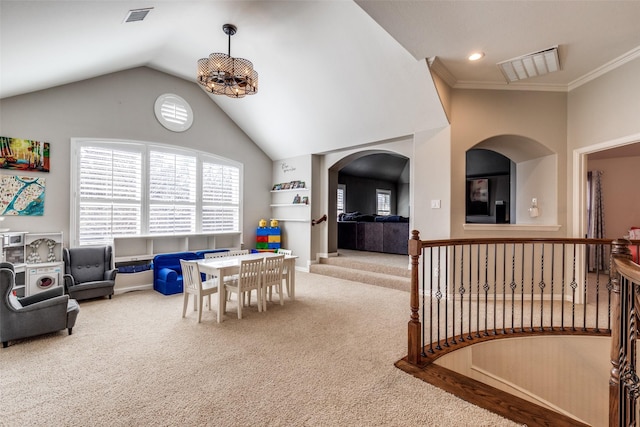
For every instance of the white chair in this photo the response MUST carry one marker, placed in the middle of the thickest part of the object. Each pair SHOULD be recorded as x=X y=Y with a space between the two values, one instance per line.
x=249 y=278
x=238 y=252
x=285 y=270
x=216 y=254
x=272 y=277
x=193 y=285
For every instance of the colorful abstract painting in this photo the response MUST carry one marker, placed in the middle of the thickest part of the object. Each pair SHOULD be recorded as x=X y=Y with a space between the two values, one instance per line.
x=24 y=154
x=21 y=195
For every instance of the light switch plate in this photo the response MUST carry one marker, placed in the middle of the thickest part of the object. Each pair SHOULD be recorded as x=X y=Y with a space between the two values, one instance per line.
x=435 y=204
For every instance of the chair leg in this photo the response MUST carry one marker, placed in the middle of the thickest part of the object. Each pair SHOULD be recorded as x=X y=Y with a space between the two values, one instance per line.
x=70 y=331
x=200 y=302
x=5 y=344
x=240 y=303
x=185 y=304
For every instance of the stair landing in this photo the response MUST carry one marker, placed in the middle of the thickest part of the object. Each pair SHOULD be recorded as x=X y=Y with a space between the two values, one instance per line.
x=386 y=270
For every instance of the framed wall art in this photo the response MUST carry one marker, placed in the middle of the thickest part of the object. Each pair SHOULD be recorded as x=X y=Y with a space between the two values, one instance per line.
x=24 y=154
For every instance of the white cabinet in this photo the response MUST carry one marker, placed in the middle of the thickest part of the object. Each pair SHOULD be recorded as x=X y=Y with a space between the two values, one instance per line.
x=291 y=205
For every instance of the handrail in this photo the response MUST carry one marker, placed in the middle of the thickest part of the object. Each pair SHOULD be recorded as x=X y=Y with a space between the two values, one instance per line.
x=456 y=278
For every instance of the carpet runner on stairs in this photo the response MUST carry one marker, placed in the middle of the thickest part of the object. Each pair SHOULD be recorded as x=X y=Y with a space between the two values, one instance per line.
x=363 y=272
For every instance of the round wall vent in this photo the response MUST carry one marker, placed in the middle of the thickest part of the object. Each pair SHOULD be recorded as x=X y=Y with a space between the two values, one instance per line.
x=173 y=112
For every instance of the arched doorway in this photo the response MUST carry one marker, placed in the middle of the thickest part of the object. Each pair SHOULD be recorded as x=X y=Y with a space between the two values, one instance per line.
x=362 y=176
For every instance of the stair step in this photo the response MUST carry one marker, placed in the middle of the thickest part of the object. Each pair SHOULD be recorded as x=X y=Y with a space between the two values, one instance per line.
x=362 y=276
x=347 y=262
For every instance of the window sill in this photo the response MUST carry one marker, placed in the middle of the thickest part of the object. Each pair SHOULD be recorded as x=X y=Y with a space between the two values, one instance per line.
x=511 y=227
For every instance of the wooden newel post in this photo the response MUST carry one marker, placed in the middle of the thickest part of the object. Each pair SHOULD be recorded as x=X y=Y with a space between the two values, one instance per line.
x=414 y=327
x=620 y=249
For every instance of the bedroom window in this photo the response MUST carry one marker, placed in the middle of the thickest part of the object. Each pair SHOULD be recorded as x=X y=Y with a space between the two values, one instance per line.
x=125 y=188
x=383 y=202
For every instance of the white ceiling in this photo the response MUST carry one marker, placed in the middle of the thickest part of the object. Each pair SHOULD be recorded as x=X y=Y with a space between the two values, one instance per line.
x=333 y=74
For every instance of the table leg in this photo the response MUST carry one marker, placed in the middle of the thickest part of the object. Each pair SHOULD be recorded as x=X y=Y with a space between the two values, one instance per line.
x=291 y=271
x=222 y=296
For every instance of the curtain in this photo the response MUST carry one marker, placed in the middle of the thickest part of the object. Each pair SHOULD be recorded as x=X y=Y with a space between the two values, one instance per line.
x=598 y=255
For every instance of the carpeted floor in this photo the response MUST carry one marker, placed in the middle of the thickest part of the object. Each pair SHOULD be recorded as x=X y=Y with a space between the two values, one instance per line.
x=325 y=359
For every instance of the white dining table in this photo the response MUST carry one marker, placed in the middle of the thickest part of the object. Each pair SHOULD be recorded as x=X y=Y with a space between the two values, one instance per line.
x=230 y=265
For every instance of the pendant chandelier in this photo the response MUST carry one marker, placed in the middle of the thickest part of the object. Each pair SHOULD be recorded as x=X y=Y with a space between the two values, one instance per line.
x=222 y=74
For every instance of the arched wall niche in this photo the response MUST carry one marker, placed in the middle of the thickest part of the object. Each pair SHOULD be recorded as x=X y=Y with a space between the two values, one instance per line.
x=534 y=176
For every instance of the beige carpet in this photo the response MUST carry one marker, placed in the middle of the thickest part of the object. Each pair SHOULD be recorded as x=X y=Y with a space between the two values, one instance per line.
x=325 y=359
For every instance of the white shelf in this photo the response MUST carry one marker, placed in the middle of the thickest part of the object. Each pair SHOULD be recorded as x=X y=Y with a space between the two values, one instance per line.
x=282 y=205
x=291 y=220
x=290 y=190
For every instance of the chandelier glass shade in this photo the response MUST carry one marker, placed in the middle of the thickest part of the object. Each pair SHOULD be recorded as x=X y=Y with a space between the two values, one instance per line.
x=221 y=74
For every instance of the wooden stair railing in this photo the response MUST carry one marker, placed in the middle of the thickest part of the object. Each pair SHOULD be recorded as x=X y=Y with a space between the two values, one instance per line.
x=454 y=281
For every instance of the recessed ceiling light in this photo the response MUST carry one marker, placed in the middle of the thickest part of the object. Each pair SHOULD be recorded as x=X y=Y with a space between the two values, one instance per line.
x=475 y=56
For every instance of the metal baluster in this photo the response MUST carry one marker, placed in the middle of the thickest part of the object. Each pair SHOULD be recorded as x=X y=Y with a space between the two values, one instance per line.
x=513 y=286
x=470 y=293
x=522 y=291
x=485 y=288
x=462 y=292
x=600 y=250
x=553 y=277
x=477 y=291
x=504 y=286
x=542 y=285
x=438 y=296
x=533 y=251
x=424 y=293
x=573 y=285
x=564 y=252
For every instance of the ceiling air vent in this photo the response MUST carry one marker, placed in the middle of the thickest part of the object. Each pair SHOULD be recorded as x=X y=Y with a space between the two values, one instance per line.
x=531 y=65
x=136 y=15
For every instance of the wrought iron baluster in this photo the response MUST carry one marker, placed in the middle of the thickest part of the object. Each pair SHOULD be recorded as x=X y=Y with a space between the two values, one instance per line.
x=477 y=291
x=553 y=277
x=469 y=337
x=438 y=296
x=541 y=285
x=533 y=263
x=461 y=291
x=424 y=293
x=513 y=287
x=573 y=285
x=522 y=291
x=485 y=288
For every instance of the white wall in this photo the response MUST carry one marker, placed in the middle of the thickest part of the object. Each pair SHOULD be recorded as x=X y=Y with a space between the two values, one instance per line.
x=602 y=113
x=120 y=105
x=536 y=178
x=478 y=115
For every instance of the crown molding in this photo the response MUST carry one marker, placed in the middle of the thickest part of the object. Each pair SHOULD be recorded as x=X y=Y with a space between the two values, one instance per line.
x=438 y=67
x=511 y=86
x=604 y=69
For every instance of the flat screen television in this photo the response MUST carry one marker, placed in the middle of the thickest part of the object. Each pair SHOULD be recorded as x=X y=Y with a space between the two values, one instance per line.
x=478 y=196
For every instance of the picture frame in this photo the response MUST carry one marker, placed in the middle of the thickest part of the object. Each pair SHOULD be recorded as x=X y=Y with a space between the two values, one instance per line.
x=478 y=196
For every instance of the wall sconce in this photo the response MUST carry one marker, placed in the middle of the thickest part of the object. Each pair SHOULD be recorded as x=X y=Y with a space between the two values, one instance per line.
x=533 y=210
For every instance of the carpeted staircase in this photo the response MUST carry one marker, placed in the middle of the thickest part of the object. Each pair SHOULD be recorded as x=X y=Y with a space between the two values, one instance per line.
x=379 y=273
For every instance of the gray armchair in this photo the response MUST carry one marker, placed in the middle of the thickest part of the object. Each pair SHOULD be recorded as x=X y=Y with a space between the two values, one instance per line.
x=88 y=272
x=42 y=313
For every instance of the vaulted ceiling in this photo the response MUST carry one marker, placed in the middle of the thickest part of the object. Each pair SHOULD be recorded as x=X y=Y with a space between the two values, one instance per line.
x=333 y=74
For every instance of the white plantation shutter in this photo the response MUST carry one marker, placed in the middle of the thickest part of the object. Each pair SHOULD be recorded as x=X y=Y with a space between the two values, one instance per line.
x=129 y=188
x=340 y=199
x=220 y=197
x=172 y=193
x=383 y=202
x=110 y=194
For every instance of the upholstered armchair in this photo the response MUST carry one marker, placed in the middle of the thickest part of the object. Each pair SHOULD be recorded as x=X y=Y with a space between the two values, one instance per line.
x=42 y=313
x=88 y=272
